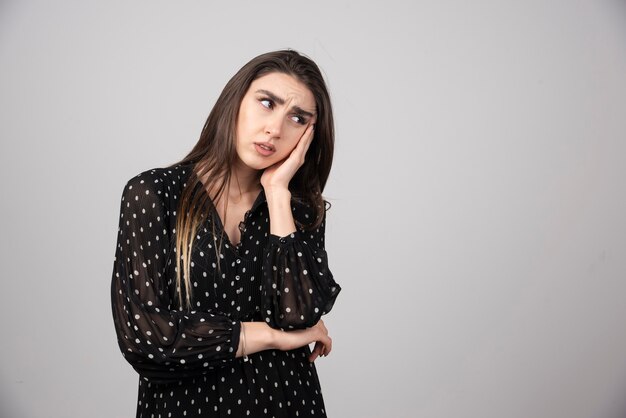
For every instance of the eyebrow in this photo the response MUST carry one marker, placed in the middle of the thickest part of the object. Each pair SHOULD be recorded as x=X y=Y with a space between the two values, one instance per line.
x=281 y=101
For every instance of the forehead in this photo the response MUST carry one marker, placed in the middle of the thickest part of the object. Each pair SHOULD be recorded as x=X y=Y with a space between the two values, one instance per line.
x=286 y=87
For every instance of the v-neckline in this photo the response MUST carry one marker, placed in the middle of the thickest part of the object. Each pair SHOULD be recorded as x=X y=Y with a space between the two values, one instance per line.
x=257 y=201
x=260 y=198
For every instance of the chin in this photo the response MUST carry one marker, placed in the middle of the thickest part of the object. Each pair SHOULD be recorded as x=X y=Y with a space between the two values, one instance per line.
x=257 y=164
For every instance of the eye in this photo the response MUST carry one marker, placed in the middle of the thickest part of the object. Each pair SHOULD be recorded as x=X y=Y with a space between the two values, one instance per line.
x=266 y=103
x=299 y=119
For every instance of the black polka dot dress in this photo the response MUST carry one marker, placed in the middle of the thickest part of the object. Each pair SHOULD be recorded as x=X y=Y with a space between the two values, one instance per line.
x=186 y=358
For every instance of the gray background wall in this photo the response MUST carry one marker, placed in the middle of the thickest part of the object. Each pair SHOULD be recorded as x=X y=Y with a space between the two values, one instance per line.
x=479 y=193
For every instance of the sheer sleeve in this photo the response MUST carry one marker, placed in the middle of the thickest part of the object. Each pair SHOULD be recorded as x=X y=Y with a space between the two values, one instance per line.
x=161 y=343
x=298 y=287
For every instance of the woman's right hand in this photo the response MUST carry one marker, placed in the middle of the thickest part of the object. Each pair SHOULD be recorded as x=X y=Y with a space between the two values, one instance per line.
x=318 y=334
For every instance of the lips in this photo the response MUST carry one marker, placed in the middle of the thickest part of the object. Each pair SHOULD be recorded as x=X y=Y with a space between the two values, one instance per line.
x=264 y=148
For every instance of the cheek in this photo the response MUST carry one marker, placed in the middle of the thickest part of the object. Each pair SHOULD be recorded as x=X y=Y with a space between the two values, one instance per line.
x=287 y=149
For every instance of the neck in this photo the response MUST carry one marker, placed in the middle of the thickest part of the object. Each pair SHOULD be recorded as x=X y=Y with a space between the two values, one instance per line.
x=244 y=179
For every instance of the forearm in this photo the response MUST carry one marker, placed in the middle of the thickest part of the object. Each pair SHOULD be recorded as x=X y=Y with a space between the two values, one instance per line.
x=281 y=217
x=258 y=337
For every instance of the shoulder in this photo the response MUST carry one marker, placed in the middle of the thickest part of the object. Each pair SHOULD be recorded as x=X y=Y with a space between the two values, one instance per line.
x=160 y=178
x=165 y=175
x=163 y=183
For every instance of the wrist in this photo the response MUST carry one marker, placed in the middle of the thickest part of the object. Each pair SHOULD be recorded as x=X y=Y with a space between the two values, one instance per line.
x=277 y=193
x=279 y=205
x=273 y=339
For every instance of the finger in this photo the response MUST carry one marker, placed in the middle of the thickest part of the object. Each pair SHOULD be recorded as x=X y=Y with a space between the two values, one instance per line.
x=306 y=133
x=316 y=351
x=298 y=153
x=303 y=143
x=310 y=137
x=328 y=347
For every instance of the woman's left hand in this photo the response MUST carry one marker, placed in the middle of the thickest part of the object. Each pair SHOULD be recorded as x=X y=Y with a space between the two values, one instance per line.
x=278 y=175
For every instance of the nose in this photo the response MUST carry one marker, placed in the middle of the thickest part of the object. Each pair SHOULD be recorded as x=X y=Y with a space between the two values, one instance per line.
x=273 y=125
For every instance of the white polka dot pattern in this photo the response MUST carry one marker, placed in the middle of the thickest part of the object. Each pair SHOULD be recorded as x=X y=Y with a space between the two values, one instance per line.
x=299 y=288
x=186 y=359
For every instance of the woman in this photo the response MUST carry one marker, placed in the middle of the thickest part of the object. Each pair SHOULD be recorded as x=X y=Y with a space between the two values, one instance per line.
x=221 y=276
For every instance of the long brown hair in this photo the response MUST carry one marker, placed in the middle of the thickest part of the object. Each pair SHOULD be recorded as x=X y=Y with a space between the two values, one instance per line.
x=215 y=153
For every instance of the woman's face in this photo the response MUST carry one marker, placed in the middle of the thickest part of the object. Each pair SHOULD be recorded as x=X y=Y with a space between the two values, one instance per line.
x=273 y=115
